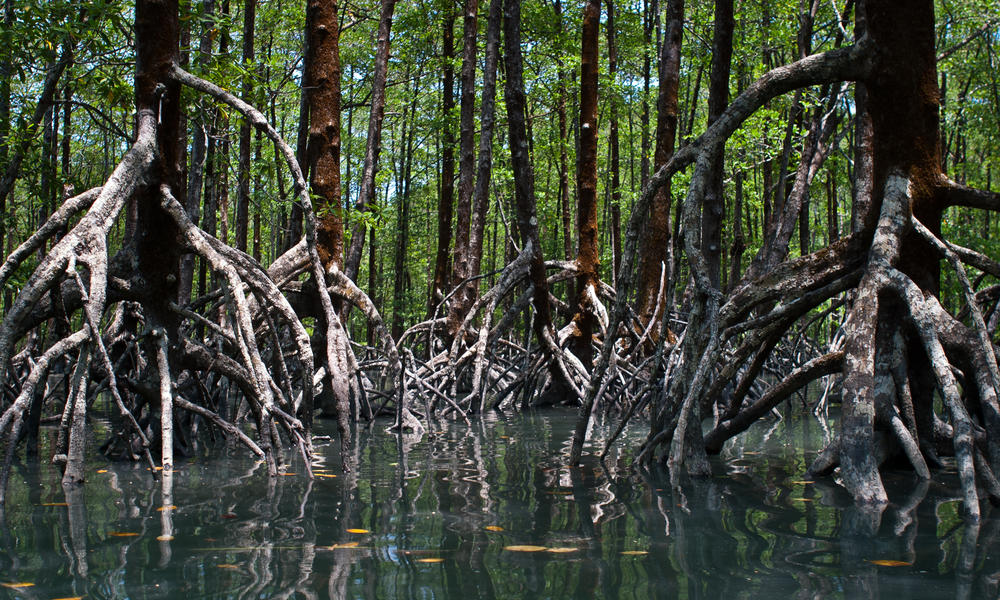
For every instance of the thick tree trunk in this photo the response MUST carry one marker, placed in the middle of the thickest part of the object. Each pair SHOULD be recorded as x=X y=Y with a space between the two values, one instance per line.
x=588 y=257
x=652 y=255
x=322 y=70
x=374 y=140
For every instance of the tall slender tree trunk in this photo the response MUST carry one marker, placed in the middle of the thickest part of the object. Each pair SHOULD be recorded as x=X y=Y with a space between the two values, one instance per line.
x=616 y=194
x=402 y=278
x=196 y=171
x=373 y=143
x=566 y=211
x=242 y=216
x=440 y=284
x=714 y=209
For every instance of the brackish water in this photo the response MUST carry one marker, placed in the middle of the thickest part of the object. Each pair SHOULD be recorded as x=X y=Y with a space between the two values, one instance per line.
x=452 y=515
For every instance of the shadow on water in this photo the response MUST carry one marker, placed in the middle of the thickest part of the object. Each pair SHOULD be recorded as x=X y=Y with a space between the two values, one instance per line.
x=490 y=511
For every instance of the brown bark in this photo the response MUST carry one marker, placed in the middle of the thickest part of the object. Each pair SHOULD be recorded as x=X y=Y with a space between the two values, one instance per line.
x=588 y=257
x=439 y=286
x=322 y=66
x=652 y=255
x=373 y=142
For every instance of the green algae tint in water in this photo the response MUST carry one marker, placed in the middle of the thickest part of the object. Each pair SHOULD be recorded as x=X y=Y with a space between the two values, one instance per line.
x=489 y=512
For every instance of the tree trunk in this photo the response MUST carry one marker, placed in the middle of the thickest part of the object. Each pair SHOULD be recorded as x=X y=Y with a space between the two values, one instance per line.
x=652 y=256
x=374 y=139
x=242 y=217
x=322 y=67
x=616 y=194
x=588 y=257
x=714 y=209
x=440 y=285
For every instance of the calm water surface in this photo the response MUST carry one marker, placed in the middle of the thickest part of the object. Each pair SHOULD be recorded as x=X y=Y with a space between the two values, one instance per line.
x=444 y=517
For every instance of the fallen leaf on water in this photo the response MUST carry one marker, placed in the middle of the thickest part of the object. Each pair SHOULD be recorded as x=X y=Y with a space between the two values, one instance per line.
x=805 y=481
x=327 y=475
x=504 y=437
x=560 y=492
x=123 y=534
x=634 y=553
x=163 y=508
x=70 y=598
x=228 y=515
x=890 y=563
x=286 y=474
x=54 y=504
x=211 y=540
x=164 y=538
x=344 y=545
x=17 y=586
x=227 y=566
x=525 y=548
x=102 y=470
x=353 y=530
x=803 y=499
x=493 y=528
x=562 y=550
x=430 y=560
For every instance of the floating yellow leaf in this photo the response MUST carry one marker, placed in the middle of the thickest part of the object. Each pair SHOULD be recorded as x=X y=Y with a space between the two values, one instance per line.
x=565 y=550
x=17 y=586
x=102 y=470
x=494 y=528
x=286 y=474
x=504 y=437
x=890 y=563
x=54 y=504
x=70 y=598
x=803 y=499
x=560 y=492
x=227 y=566
x=525 y=548
x=634 y=553
x=164 y=538
x=430 y=560
x=353 y=530
x=123 y=534
x=327 y=475
x=344 y=545
x=805 y=481
x=163 y=508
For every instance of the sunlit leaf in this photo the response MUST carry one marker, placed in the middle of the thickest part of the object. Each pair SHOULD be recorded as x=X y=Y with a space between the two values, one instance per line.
x=17 y=586
x=890 y=563
x=70 y=598
x=286 y=474
x=634 y=553
x=227 y=566
x=102 y=470
x=163 y=508
x=327 y=475
x=803 y=482
x=563 y=550
x=123 y=534
x=353 y=530
x=525 y=548
x=430 y=560
x=54 y=504
x=164 y=538
x=493 y=528
x=803 y=499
